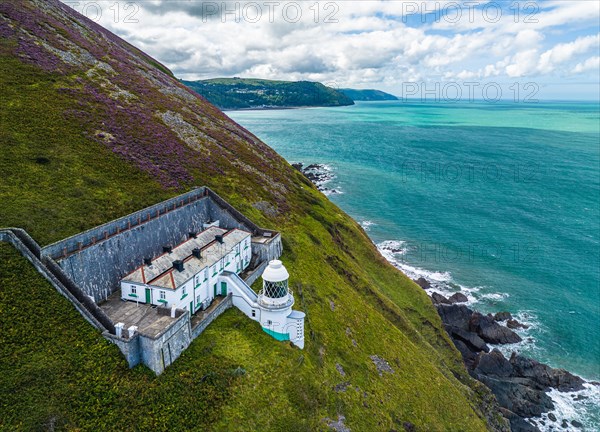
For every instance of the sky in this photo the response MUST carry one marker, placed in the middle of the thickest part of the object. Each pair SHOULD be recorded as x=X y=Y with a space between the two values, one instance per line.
x=434 y=50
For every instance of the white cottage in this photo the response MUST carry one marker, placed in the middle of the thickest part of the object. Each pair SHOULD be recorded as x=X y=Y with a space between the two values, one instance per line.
x=188 y=276
x=208 y=265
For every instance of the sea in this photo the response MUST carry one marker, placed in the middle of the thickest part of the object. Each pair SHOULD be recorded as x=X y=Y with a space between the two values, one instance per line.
x=500 y=201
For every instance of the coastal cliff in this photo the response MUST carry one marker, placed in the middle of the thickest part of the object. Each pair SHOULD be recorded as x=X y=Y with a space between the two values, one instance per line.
x=94 y=129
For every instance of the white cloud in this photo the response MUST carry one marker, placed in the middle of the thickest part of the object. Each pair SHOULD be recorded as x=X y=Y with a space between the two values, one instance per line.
x=371 y=43
x=591 y=64
x=564 y=52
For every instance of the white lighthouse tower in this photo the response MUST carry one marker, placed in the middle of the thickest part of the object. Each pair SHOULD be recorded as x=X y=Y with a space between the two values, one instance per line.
x=275 y=301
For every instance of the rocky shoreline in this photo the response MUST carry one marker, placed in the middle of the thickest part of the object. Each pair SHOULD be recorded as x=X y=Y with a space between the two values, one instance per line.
x=319 y=174
x=520 y=384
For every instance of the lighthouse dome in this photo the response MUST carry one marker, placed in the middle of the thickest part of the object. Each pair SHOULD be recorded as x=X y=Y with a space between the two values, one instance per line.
x=275 y=272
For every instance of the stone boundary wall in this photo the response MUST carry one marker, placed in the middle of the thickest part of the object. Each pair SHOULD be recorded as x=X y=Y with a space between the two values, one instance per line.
x=31 y=251
x=222 y=307
x=266 y=252
x=87 y=267
x=97 y=259
x=94 y=235
x=159 y=352
x=256 y=273
x=129 y=347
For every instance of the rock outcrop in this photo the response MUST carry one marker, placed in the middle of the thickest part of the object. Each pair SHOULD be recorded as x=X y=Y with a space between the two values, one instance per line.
x=520 y=384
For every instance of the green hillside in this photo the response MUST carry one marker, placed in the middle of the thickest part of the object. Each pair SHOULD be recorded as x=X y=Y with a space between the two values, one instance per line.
x=245 y=93
x=367 y=95
x=92 y=129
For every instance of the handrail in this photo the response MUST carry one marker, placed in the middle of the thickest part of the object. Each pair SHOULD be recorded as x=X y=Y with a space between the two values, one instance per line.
x=244 y=290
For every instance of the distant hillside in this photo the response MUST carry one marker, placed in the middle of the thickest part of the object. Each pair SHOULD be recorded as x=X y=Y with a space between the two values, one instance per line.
x=242 y=93
x=367 y=95
x=92 y=129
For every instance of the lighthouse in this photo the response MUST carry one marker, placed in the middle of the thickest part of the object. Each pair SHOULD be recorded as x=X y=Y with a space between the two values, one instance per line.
x=275 y=301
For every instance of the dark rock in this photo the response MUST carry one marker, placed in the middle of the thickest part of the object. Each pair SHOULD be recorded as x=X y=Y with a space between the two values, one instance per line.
x=494 y=364
x=455 y=315
x=342 y=387
x=514 y=324
x=564 y=424
x=437 y=298
x=42 y=160
x=458 y=298
x=409 y=427
x=546 y=376
x=503 y=316
x=267 y=208
x=381 y=364
x=518 y=395
x=423 y=283
x=518 y=423
x=298 y=166
x=577 y=424
x=473 y=342
x=469 y=357
x=551 y=417
x=490 y=331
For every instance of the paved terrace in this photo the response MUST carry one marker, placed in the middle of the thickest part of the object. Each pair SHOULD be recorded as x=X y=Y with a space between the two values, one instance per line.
x=144 y=316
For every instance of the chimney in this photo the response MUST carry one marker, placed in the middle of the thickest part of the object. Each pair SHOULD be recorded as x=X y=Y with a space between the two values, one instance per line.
x=219 y=238
x=197 y=252
x=193 y=235
x=167 y=249
x=148 y=261
x=178 y=265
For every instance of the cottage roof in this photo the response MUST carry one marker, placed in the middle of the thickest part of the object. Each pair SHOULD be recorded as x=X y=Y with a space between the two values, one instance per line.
x=160 y=272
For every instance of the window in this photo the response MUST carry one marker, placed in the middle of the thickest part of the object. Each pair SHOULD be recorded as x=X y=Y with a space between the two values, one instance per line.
x=183 y=291
x=163 y=295
x=253 y=313
x=205 y=274
x=133 y=289
x=269 y=322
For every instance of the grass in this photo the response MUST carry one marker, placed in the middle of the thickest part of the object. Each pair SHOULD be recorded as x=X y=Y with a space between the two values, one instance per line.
x=57 y=371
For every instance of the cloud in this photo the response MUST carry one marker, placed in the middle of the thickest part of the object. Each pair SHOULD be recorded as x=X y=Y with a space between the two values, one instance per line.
x=355 y=43
x=591 y=64
x=564 y=52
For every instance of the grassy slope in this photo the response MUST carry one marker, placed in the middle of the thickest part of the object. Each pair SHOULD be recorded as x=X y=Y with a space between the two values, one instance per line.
x=223 y=92
x=59 y=179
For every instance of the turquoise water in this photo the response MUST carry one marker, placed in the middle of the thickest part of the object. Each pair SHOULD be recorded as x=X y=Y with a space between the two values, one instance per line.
x=501 y=200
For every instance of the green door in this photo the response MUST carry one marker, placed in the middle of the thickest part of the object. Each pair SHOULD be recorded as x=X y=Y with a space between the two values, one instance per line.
x=192 y=307
x=215 y=290
x=148 y=296
x=224 y=289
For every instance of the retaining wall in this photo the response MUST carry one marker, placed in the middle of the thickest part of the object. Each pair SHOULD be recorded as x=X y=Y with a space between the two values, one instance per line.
x=222 y=307
x=96 y=260
x=86 y=268
x=31 y=251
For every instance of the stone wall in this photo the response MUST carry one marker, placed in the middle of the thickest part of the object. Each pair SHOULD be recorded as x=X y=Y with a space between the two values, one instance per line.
x=96 y=260
x=129 y=347
x=222 y=307
x=271 y=250
x=31 y=251
x=86 y=268
x=159 y=352
x=119 y=247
